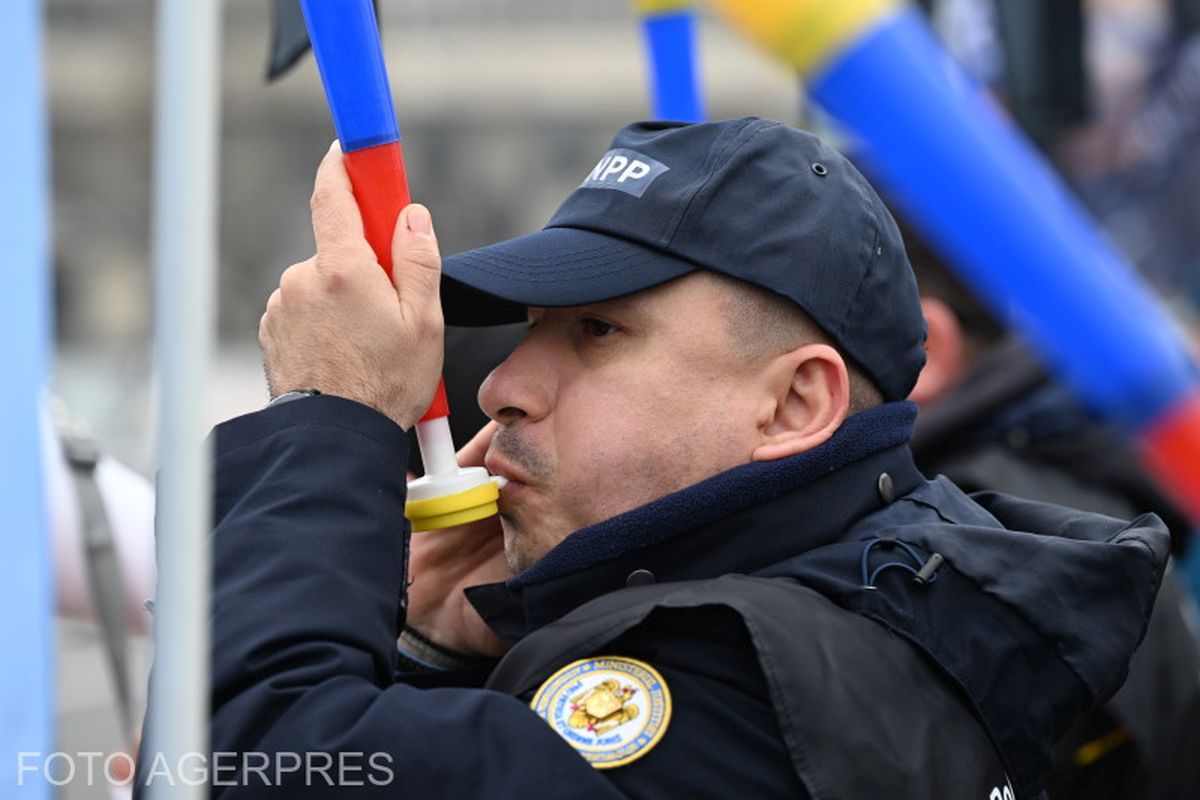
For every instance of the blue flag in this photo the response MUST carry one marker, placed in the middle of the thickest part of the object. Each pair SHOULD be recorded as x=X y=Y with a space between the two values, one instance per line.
x=27 y=676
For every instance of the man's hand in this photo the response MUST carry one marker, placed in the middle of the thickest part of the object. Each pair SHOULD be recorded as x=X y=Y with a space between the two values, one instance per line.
x=444 y=562
x=336 y=324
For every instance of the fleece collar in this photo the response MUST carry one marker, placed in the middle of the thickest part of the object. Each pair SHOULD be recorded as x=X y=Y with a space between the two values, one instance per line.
x=738 y=521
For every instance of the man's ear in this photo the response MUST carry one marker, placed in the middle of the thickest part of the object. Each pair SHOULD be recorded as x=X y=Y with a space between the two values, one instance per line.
x=810 y=397
x=945 y=352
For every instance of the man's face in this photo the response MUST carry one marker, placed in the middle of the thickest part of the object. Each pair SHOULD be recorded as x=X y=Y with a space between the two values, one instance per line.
x=604 y=408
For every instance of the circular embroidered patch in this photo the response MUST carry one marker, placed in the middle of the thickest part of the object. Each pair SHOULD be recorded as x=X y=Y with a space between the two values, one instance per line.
x=612 y=710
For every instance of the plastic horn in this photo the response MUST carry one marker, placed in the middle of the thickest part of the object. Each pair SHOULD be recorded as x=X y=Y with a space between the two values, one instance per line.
x=669 y=29
x=345 y=39
x=979 y=191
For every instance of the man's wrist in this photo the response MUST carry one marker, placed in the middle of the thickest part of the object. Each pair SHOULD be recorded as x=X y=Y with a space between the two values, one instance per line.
x=420 y=654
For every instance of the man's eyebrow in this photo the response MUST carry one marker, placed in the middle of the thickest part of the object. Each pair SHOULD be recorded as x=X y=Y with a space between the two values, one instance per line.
x=633 y=304
x=630 y=307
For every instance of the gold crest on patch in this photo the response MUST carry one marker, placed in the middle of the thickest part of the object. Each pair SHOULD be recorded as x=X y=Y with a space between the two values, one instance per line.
x=612 y=710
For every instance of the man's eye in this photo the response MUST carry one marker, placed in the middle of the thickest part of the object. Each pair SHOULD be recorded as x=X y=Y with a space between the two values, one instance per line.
x=598 y=328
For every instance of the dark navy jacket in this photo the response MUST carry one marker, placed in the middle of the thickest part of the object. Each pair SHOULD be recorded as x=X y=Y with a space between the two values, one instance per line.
x=1009 y=427
x=1032 y=617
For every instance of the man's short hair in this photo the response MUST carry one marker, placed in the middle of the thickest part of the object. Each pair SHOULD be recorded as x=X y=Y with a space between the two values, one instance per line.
x=761 y=323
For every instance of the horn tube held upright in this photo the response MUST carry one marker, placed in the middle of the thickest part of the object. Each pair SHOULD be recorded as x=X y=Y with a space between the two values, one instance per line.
x=345 y=40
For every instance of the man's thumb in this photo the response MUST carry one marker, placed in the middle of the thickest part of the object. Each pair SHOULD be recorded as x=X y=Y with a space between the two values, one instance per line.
x=416 y=262
x=472 y=453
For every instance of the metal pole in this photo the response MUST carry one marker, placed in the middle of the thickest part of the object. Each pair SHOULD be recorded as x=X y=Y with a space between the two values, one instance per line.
x=185 y=175
x=26 y=622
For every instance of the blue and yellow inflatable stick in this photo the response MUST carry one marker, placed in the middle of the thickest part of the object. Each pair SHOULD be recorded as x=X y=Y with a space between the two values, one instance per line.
x=976 y=187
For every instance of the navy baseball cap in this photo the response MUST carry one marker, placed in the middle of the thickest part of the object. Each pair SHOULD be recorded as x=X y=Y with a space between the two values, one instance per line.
x=748 y=198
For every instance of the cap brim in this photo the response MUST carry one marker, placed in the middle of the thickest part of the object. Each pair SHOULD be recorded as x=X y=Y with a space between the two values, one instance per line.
x=553 y=268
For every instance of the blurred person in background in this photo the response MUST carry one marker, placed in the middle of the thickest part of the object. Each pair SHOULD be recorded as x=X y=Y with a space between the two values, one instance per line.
x=992 y=419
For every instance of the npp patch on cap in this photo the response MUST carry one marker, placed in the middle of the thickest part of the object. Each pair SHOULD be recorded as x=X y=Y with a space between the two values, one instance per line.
x=624 y=170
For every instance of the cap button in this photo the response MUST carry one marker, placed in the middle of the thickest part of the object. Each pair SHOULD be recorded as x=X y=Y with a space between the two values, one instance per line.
x=887 y=491
x=640 y=577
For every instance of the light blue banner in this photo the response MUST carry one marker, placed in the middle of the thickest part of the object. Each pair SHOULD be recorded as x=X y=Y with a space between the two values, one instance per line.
x=27 y=675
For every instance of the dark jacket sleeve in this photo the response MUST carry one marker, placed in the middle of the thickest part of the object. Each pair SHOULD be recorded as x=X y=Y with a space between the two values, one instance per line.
x=309 y=563
x=309 y=550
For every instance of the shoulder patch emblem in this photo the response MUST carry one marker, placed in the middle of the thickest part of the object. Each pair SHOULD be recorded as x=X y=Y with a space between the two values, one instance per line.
x=612 y=710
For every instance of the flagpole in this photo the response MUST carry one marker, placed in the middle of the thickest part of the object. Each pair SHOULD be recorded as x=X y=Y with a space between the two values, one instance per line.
x=26 y=624
x=185 y=175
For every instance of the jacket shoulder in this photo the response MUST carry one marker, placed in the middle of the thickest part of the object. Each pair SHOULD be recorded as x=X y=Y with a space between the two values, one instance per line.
x=860 y=706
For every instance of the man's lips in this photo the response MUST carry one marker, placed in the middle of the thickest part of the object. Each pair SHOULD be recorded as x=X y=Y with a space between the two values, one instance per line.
x=497 y=465
x=511 y=492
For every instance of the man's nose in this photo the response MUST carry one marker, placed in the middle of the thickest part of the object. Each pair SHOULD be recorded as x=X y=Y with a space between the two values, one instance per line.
x=520 y=388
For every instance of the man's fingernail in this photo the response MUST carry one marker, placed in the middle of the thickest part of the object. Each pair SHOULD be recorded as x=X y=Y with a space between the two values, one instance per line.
x=419 y=220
